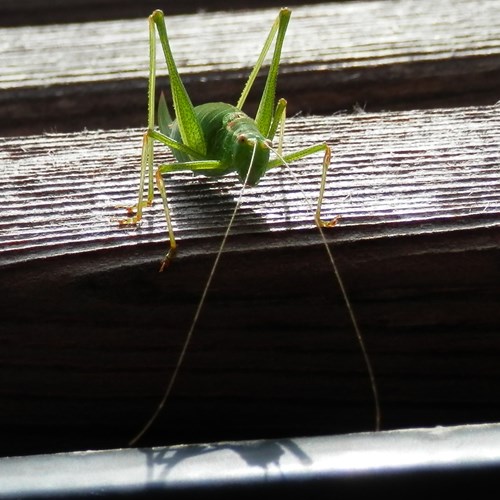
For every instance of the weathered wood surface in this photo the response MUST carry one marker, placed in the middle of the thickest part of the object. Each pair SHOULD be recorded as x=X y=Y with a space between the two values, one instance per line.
x=382 y=54
x=90 y=329
x=391 y=174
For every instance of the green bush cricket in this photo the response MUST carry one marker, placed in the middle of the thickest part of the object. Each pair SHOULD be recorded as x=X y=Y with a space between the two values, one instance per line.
x=215 y=139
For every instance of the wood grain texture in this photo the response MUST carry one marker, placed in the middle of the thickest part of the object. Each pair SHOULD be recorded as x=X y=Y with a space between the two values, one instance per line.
x=387 y=54
x=91 y=331
x=389 y=172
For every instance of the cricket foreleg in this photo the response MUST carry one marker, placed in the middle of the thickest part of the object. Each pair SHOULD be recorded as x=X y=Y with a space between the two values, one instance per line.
x=278 y=120
x=150 y=136
x=173 y=245
x=135 y=211
x=176 y=167
x=287 y=159
x=326 y=164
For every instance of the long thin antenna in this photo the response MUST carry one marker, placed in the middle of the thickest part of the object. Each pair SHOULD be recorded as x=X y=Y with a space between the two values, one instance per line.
x=196 y=316
x=345 y=296
x=202 y=300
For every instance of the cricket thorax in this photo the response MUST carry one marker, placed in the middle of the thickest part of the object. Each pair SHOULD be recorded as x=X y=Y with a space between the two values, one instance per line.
x=249 y=149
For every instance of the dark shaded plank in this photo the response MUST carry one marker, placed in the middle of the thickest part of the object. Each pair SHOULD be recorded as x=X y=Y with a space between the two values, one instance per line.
x=35 y=12
x=90 y=331
x=379 y=54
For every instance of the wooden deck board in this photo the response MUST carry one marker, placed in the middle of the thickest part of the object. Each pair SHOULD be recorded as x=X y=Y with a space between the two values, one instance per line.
x=376 y=54
x=389 y=171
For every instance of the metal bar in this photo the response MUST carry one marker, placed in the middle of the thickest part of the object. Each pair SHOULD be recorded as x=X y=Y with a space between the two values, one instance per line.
x=406 y=460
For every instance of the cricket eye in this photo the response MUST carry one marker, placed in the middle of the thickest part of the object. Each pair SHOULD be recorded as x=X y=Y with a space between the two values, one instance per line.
x=242 y=138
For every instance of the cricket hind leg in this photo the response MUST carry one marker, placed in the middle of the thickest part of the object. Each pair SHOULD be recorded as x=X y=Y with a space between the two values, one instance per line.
x=190 y=147
x=265 y=111
x=150 y=135
x=189 y=125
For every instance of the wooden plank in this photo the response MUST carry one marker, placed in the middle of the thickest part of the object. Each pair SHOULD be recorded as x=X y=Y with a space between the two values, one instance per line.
x=90 y=330
x=379 y=54
x=390 y=172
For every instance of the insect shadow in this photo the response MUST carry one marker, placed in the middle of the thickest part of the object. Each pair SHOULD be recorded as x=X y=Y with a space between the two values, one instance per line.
x=265 y=455
x=207 y=204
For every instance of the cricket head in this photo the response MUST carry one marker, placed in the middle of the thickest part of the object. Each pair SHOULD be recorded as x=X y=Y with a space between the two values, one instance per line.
x=251 y=157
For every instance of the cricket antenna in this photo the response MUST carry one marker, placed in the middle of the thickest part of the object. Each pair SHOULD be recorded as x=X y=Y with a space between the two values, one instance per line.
x=343 y=291
x=196 y=316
